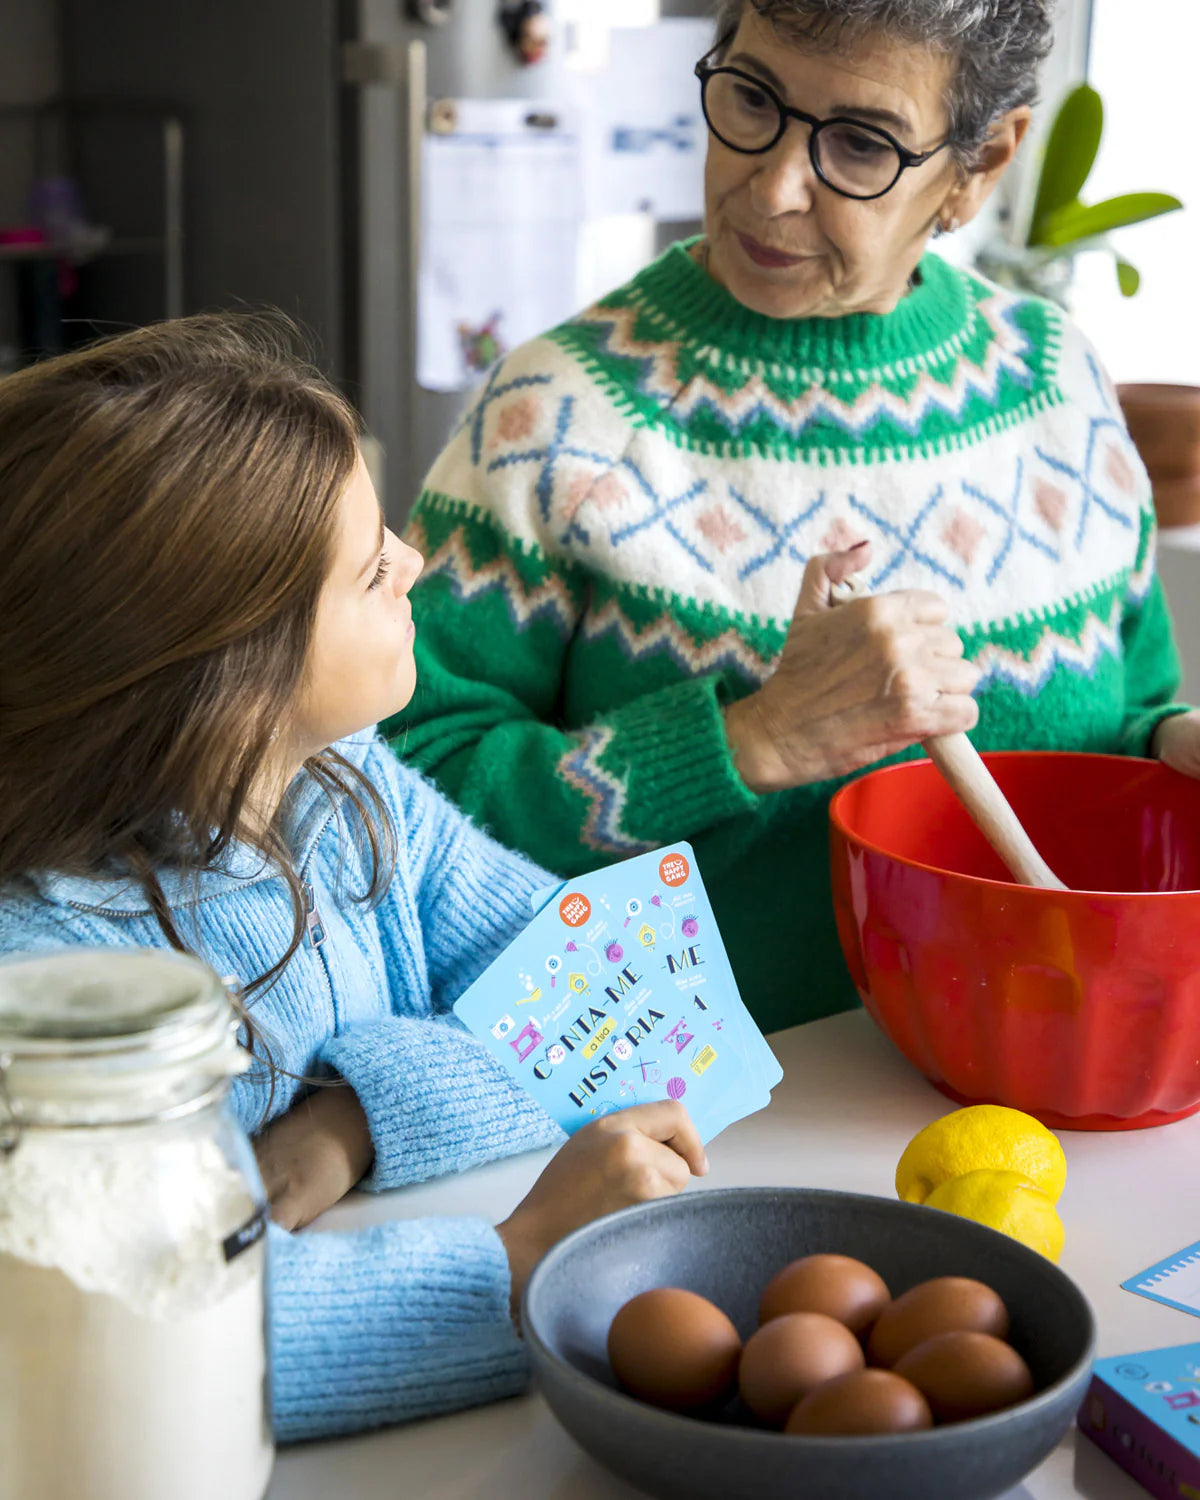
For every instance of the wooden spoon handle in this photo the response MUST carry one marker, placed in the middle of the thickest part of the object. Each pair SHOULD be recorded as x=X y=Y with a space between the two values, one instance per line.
x=974 y=786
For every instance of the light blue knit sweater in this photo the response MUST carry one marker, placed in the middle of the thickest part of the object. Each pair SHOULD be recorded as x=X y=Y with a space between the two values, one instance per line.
x=408 y=1318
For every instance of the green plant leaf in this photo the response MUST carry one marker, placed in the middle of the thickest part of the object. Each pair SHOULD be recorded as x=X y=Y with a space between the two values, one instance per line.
x=1070 y=152
x=1129 y=278
x=1040 y=227
x=1079 y=221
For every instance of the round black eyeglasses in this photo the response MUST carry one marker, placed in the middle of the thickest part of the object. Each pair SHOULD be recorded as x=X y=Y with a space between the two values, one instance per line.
x=854 y=159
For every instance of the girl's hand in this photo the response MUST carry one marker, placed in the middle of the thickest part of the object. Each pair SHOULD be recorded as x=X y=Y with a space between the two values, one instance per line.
x=312 y=1156
x=647 y=1151
x=1177 y=742
x=853 y=684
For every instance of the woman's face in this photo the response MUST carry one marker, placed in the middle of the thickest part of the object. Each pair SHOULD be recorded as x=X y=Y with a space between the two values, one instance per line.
x=360 y=663
x=780 y=240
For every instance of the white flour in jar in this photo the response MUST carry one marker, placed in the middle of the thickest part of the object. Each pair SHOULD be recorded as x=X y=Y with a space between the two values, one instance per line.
x=132 y=1362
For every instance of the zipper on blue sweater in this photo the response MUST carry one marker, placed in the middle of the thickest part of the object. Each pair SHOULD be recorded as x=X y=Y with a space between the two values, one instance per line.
x=312 y=916
x=316 y=936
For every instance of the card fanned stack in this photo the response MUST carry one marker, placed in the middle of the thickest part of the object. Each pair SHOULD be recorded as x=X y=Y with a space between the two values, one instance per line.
x=619 y=992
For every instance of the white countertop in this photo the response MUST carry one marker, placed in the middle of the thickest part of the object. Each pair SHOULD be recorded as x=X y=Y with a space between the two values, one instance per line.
x=846 y=1108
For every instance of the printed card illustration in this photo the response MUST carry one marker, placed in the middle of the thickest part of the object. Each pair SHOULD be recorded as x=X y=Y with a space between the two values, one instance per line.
x=620 y=992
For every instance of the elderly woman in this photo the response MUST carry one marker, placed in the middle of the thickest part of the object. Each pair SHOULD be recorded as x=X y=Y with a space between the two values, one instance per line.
x=624 y=631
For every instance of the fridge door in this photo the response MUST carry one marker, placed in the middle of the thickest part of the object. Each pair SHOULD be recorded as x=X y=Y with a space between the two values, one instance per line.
x=402 y=65
x=399 y=65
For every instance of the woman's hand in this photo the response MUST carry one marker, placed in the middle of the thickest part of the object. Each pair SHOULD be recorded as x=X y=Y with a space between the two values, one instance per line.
x=1177 y=742
x=647 y=1151
x=312 y=1156
x=853 y=684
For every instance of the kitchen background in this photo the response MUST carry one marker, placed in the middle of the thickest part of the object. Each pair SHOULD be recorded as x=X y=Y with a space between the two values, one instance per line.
x=400 y=178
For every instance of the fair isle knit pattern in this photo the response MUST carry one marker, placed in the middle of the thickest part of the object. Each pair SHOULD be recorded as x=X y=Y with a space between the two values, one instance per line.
x=616 y=534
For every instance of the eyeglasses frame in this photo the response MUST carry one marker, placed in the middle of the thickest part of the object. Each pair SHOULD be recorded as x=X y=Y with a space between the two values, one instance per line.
x=704 y=72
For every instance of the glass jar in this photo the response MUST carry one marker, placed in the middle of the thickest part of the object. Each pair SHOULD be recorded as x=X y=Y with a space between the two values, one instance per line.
x=132 y=1219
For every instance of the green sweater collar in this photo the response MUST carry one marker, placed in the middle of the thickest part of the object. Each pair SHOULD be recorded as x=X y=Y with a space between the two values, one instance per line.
x=701 y=312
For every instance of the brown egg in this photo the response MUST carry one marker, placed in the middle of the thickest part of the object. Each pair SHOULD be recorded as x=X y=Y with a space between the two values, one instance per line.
x=966 y=1374
x=947 y=1304
x=790 y=1356
x=674 y=1348
x=835 y=1285
x=861 y=1403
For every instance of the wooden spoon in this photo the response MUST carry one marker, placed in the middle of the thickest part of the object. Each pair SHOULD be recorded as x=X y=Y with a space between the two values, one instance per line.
x=973 y=784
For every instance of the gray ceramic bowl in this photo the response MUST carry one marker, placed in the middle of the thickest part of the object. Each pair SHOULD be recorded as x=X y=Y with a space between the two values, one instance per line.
x=727 y=1245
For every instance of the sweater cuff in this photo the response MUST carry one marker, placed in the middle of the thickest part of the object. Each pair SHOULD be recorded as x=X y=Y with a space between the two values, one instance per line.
x=435 y=1099
x=1137 y=732
x=681 y=774
x=400 y=1320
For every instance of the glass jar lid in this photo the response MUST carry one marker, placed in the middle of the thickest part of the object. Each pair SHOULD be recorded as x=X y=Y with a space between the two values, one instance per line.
x=105 y=1036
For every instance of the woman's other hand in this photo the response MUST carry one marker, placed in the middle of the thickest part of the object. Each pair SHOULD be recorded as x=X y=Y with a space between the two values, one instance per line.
x=644 y=1152
x=312 y=1156
x=1177 y=742
x=853 y=683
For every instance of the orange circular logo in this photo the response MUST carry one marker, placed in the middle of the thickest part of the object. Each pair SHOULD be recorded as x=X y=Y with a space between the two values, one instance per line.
x=575 y=909
x=674 y=869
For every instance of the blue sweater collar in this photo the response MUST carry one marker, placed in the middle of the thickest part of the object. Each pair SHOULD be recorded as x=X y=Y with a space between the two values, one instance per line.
x=306 y=813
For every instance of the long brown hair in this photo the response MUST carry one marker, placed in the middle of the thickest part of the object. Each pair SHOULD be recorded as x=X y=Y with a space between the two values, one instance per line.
x=168 y=503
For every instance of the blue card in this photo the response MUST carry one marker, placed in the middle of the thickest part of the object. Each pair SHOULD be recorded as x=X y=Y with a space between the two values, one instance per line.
x=763 y=1064
x=763 y=1070
x=619 y=992
x=1174 y=1281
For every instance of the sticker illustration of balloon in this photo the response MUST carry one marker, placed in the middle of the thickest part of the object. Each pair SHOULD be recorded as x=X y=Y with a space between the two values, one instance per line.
x=614 y=953
x=633 y=908
x=676 y=1088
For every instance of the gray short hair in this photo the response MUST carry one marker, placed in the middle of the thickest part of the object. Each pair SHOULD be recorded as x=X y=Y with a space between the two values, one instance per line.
x=997 y=45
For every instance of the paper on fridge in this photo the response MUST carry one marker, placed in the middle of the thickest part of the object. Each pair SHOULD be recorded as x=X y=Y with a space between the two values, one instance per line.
x=501 y=207
x=644 y=131
x=620 y=992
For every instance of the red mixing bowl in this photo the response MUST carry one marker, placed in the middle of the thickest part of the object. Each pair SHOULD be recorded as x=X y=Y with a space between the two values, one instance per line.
x=1081 y=1007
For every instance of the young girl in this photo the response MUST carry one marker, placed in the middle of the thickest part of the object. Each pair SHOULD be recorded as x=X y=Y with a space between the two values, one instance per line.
x=200 y=612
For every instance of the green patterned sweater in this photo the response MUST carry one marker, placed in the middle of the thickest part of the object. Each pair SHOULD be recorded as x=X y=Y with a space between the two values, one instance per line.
x=615 y=538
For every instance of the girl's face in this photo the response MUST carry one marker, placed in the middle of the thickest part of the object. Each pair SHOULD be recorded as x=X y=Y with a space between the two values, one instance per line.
x=360 y=663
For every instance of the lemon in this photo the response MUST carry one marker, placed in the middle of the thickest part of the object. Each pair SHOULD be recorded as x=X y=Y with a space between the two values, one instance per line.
x=1006 y=1201
x=981 y=1136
